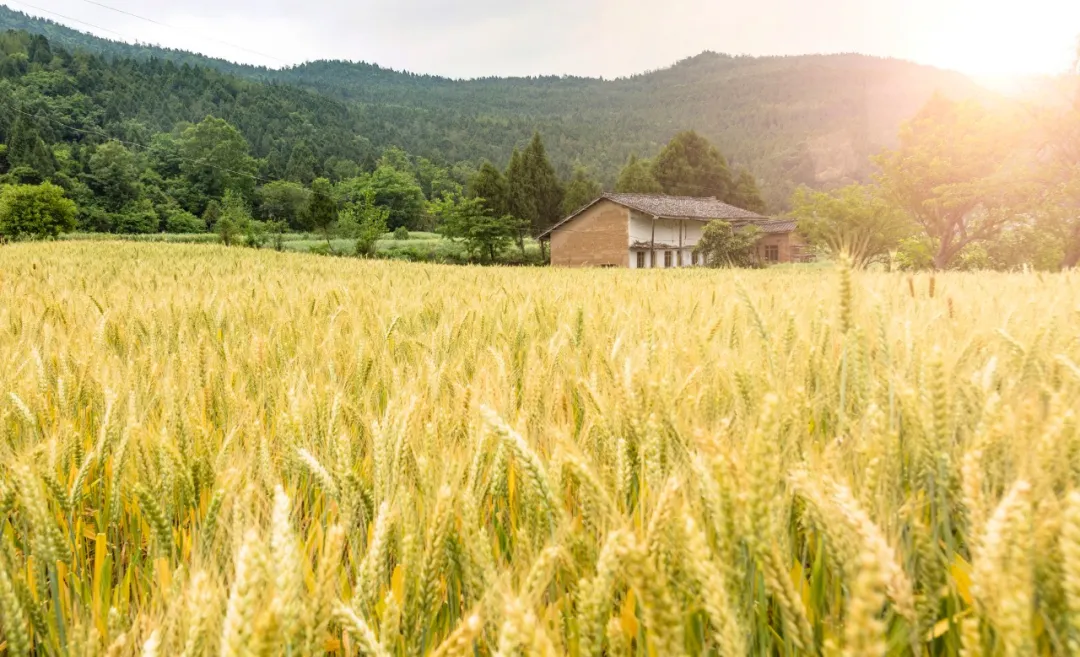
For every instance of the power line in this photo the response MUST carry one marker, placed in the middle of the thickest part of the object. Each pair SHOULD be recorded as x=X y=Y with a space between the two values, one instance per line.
x=173 y=27
x=128 y=39
x=69 y=18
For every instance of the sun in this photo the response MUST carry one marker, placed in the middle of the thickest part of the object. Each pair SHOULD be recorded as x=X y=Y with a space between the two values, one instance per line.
x=1035 y=37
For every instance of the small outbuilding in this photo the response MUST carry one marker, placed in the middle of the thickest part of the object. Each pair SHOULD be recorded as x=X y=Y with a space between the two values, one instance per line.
x=654 y=231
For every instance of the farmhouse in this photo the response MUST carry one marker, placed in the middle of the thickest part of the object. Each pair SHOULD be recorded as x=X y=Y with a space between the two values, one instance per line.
x=643 y=231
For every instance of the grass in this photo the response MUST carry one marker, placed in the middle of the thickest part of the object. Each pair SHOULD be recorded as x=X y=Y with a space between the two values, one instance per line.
x=226 y=451
x=420 y=247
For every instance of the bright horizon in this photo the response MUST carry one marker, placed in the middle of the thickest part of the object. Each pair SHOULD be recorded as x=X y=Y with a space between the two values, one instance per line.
x=479 y=38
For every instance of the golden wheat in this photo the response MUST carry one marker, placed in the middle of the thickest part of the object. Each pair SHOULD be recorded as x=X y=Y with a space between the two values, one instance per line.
x=207 y=451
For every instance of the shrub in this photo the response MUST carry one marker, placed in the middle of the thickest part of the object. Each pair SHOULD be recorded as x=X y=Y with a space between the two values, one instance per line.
x=35 y=211
x=181 y=221
x=401 y=234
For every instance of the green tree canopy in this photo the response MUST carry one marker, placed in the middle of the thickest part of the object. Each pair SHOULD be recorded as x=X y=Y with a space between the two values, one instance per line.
x=282 y=200
x=746 y=194
x=322 y=209
x=722 y=246
x=369 y=220
x=399 y=192
x=949 y=174
x=467 y=220
x=691 y=166
x=301 y=166
x=489 y=184
x=216 y=159
x=580 y=190
x=853 y=221
x=26 y=147
x=637 y=178
x=113 y=176
x=36 y=211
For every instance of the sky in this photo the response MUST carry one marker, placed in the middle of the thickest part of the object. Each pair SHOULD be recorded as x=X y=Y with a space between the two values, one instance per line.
x=596 y=38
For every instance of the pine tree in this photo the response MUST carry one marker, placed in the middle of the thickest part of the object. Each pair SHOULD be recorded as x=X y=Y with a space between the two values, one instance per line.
x=520 y=197
x=581 y=190
x=301 y=166
x=545 y=185
x=322 y=210
x=746 y=193
x=636 y=178
x=490 y=185
x=26 y=148
x=691 y=166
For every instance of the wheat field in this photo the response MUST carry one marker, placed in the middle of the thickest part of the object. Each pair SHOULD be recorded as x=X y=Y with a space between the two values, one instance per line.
x=207 y=451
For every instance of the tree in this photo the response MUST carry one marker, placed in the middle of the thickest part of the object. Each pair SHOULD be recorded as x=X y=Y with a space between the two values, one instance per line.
x=691 y=166
x=853 y=221
x=179 y=220
x=113 y=176
x=282 y=200
x=637 y=178
x=322 y=211
x=434 y=180
x=370 y=221
x=489 y=184
x=746 y=194
x=234 y=218
x=301 y=166
x=1058 y=214
x=949 y=175
x=521 y=202
x=399 y=192
x=722 y=246
x=26 y=148
x=543 y=183
x=467 y=219
x=36 y=211
x=212 y=214
x=136 y=217
x=581 y=190
x=216 y=159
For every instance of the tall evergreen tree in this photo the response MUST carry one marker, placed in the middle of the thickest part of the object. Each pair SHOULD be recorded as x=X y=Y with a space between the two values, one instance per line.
x=26 y=148
x=301 y=166
x=544 y=184
x=746 y=194
x=691 y=166
x=113 y=176
x=322 y=210
x=490 y=185
x=582 y=189
x=521 y=201
x=636 y=178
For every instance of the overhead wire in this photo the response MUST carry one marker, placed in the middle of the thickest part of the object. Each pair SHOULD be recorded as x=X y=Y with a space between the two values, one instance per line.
x=181 y=29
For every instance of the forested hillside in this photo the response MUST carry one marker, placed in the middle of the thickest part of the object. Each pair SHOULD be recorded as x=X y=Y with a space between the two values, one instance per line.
x=790 y=120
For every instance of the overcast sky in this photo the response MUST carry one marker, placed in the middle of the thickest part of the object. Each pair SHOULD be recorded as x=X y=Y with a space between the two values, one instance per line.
x=610 y=38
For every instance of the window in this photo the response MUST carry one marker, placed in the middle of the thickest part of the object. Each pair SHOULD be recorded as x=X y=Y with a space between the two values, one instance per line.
x=693 y=258
x=667 y=259
x=641 y=260
x=772 y=253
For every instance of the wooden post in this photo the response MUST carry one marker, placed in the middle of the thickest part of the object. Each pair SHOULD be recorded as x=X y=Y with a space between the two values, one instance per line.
x=682 y=229
x=652 y=246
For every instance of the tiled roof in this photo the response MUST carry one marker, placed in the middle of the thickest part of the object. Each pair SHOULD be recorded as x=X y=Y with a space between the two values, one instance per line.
x=776 y=226
x=683 y=207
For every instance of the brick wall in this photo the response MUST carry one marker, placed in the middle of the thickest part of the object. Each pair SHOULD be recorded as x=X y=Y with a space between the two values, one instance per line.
x=783 y=241
x=597 y=237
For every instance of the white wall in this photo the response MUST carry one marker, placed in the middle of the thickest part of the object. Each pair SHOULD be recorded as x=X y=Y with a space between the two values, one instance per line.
x=667 y=230
x=667 y=239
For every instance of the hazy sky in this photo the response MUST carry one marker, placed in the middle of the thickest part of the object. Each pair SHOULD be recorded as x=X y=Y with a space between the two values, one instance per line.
x=469 y=38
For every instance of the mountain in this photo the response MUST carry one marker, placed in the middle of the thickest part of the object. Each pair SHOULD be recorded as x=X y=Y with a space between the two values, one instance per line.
x=812 y=119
